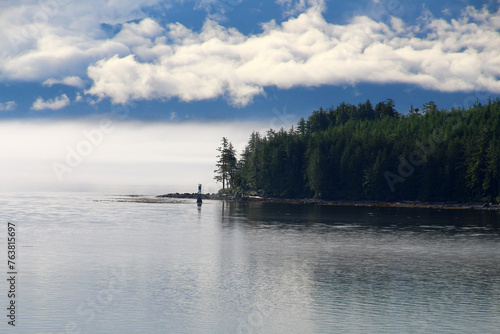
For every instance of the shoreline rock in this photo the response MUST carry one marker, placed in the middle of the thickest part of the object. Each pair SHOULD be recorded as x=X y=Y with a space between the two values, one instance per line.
x=398 y=204
x=190 y=195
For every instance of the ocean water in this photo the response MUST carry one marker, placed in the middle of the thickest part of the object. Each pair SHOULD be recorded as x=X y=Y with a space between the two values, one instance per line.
x=95 y=263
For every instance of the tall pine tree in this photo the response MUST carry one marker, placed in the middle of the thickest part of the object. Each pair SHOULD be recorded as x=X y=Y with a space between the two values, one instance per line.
x=226 y=164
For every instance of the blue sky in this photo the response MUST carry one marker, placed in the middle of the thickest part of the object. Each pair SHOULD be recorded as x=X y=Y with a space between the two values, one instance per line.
x=232 y=65
x=236 y=59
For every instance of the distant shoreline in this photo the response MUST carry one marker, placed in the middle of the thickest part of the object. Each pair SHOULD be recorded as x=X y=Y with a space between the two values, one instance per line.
x=345 y=203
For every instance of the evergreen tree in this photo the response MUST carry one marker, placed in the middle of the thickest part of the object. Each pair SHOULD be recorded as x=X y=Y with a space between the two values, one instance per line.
x=491 y=183
x=413 y=111
x=301 y=127
x=366 y=111
x=386 y=109
x=430 y=107
x=362 y=152
x=318 y=121
x=226 y=164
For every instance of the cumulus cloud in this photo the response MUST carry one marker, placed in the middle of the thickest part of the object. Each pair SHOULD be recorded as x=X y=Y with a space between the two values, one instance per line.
x=8 y=106
x=68 y=81
x=53 y=104
x=449 y=56
x=59 y=38
x=145 y=60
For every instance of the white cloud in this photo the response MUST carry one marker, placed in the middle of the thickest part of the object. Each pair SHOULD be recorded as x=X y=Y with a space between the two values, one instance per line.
x=68 y=81
x=147 y=61
x=460 y=55
x=217 y=9
x=53 y=104
x=294 y=7
x=8 y=106
x=78 y=97
x=59 y=38
x=446 y=11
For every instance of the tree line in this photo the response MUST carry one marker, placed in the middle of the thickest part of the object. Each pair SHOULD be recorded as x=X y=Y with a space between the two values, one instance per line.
x=361 y=152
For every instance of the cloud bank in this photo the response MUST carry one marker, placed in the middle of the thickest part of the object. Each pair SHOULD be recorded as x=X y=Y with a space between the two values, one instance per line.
x=145 y=61
x=126 y=157
x=461 y=55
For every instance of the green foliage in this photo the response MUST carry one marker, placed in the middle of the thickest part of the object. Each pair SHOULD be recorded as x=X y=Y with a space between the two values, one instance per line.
x=362 y=152
x=226 y=171
x=430 y=107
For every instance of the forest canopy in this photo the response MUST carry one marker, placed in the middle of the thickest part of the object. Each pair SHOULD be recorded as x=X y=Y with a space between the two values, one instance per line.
x=362 y=152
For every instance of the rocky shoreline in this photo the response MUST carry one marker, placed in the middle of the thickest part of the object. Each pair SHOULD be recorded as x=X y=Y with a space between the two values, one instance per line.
x=399 y=204
x=190 y=195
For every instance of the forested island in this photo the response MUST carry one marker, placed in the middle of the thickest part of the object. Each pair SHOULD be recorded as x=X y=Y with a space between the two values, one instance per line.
x=361 y=152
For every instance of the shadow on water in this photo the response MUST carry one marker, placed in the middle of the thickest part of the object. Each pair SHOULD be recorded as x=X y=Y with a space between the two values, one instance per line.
x=378 y=270
x=278 y=215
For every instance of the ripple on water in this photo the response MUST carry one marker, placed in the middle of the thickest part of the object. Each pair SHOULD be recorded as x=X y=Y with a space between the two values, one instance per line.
x=121 y=267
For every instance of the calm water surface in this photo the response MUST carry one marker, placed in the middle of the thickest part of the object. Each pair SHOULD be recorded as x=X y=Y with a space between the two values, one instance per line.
x=90 y=264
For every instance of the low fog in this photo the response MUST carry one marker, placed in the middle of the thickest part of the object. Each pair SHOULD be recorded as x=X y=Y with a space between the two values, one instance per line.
x=115 y=157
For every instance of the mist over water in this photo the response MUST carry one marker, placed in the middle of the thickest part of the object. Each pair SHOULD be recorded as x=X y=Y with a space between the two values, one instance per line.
x=109 y=155
x=94 y=263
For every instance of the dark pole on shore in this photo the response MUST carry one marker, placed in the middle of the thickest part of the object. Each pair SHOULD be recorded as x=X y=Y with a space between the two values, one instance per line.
x=199 y=201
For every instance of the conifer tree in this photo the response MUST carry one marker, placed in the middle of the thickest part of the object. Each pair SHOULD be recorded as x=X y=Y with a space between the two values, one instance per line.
x=361 y=152
x=226 y=164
